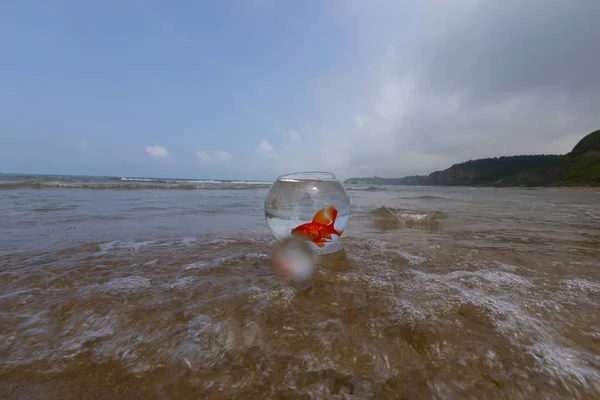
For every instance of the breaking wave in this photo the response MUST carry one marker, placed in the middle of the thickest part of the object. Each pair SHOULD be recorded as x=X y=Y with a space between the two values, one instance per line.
x=367 y=188
x=425 y=197
x=136 y=184
x=194 y=181
x=408 y=217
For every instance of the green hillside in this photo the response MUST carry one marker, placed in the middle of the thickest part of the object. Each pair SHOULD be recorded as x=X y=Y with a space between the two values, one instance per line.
x=488 y=171
x=580 y=167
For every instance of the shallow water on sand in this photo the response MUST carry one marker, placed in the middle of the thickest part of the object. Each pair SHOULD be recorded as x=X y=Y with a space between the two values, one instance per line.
x=158 y=294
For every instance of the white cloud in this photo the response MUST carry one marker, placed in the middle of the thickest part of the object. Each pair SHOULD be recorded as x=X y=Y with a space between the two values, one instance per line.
x=223 y=156
x=157 y=151
x=293 y=137
x=265 y=149
x=217 y=156
x=290 y=135
x=453 y=84
x=429 y=83
x=360 y=121
x=203 y=157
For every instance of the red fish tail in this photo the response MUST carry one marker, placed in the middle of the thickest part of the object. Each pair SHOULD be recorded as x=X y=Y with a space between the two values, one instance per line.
x=331 y=210
x=322 y=217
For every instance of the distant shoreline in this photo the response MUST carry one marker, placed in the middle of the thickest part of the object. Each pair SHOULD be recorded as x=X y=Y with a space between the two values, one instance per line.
x=557 y=188
x=565 y=188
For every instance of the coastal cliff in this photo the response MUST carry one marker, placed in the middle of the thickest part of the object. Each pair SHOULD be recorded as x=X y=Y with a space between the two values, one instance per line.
x=579 y=167
x=487 y=171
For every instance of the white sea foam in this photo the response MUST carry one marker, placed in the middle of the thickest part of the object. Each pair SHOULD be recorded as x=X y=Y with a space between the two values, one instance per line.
x=413 y=259
x=506 y=267
x=197 y=265
x=59 y=184
x=205 y=264
x=119 y=245
x=280 y=296
x=128 y=283
x=205 y=181
x=564 y=362
x=251 y=182
x=512 y=317
x=188 y=241
x=181 y=283
x=502 y=277
x=139 y=180
x=582 y=285
x=260 y=256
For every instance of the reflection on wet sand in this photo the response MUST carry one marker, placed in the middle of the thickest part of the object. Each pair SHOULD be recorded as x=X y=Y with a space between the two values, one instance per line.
x=335 y=259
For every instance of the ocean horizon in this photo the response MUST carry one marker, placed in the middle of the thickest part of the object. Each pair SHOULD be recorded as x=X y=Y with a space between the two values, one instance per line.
x=11 y=181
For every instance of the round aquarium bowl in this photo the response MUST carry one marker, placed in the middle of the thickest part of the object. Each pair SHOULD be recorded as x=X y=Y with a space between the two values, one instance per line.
x=312 y=206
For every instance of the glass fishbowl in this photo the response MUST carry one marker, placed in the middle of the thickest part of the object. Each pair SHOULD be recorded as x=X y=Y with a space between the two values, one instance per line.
x=312 y=206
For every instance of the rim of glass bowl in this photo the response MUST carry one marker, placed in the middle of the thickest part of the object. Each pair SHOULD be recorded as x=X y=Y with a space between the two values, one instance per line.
x=309 y=176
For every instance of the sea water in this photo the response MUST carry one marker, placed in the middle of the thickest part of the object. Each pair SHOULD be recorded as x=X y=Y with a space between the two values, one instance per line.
x=161 y=293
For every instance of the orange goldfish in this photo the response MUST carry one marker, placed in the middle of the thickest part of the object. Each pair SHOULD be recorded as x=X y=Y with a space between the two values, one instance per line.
x=320 y=229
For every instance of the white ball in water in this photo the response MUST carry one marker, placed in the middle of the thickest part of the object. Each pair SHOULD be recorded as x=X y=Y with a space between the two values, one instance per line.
x=293 y=258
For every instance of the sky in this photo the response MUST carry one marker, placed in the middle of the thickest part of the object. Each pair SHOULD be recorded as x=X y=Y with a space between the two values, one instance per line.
x=253 y=89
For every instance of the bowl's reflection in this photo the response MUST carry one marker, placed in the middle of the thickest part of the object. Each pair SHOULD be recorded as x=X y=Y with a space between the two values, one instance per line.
x=333 y=258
